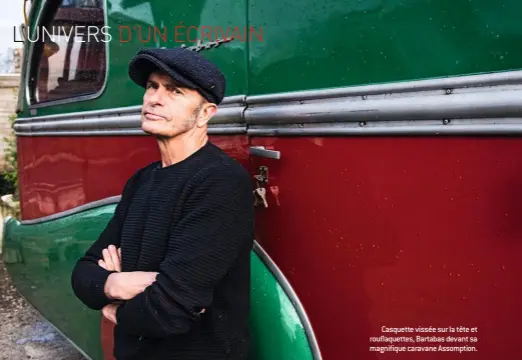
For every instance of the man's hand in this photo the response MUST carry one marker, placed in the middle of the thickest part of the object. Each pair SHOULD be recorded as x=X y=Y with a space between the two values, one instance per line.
x=111 y=259
x=109 y=312
x=126 y=285
x=123 y=285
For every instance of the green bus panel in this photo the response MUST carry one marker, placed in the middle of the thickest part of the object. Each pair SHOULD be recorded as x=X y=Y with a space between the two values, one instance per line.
x=314 y=44
x=40 y=258
x=134 y=24
x=333 y=43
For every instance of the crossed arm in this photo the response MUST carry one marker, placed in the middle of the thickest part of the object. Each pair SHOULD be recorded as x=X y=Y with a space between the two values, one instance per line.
x=202 y=249
x=121 y=285
x=101 y=284
x=97 y=279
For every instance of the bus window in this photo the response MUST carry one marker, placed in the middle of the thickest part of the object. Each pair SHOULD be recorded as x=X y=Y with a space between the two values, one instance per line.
x=69 y=54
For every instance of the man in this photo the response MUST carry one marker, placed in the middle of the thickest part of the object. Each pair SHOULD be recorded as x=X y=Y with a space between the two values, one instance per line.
x=171 y=269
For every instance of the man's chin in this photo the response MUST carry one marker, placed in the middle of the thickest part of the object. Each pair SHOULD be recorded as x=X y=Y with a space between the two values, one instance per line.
x=156 y=132
x=155 y=129
x=150 y=129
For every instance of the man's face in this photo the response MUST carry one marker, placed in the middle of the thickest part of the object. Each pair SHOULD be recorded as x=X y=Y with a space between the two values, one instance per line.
x=169 y=109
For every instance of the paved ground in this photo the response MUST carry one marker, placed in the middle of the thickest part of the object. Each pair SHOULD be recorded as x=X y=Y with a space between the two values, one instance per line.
x=24 y=334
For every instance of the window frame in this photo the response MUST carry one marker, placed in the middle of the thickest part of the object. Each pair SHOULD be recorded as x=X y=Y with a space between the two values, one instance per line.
x=33 y=65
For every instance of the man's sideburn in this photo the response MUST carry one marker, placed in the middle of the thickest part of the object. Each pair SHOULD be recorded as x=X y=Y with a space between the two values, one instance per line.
x=191 y=122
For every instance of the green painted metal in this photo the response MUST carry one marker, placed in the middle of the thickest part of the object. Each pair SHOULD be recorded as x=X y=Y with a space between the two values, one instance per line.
x=40 y=258
x=130 y=22
x=332 y=43
x=277 y=331
x=317 y=44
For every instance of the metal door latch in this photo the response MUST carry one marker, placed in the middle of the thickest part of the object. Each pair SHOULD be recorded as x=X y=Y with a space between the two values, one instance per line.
x=262 y=177
x=262 y=152
x=260 y=191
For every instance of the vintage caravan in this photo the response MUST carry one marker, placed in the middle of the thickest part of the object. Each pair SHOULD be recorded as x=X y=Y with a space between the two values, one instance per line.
x=387 y=136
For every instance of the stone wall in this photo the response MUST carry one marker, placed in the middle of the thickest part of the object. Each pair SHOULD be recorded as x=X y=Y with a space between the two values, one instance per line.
x=8 y=98
x=9 y=84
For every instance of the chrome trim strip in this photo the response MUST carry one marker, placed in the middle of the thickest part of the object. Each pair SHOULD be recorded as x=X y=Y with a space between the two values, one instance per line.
x=122 y=121
x=510 y=126
x=233 y=100
x=224 y=130
x=334 y=111
x=285 y=284
x=261 y=151
x=84 y=207
x=132 y=122
x=34 y=107
x=232 y=130
x=109 y=123
x=481 y=80
x=230 y=101
x=123 y=132
x=82 y=114
x=480 y=104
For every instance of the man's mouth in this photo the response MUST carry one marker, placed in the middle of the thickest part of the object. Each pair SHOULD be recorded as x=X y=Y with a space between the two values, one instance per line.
x=152 y=116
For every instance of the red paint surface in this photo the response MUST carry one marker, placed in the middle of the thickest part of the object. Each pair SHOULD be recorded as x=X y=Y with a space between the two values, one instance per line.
x=370 y=232
x=399 y=232
x=60 y=173
x=107 y=338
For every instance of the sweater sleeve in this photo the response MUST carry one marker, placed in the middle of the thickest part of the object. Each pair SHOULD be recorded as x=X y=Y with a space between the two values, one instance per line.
x=203 y=247
x=88 y=278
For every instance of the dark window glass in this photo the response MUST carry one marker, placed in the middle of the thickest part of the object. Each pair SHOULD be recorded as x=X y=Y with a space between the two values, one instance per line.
x=69 y=55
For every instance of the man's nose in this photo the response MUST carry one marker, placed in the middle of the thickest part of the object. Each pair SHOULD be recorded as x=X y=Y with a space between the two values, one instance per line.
x=155 y=97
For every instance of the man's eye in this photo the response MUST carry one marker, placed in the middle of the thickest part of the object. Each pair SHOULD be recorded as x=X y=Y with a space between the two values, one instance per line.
x=175 y=90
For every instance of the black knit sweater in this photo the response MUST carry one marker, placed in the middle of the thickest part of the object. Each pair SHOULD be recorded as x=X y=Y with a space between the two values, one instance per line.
x=193 y=223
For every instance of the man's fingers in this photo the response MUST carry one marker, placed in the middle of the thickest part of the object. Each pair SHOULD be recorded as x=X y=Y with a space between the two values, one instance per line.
x=102 y=264
x=112 y=258
x=108 y=260
x=108 y=312
x=153 y=277
x=115 y=258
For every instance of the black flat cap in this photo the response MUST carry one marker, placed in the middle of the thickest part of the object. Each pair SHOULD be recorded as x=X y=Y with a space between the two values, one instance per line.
x=186 y=66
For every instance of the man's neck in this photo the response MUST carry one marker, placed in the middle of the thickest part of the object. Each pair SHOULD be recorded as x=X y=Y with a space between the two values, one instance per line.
x=179 y=148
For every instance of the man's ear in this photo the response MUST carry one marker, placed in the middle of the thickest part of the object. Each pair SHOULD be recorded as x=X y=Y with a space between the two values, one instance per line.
x=208 y=110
